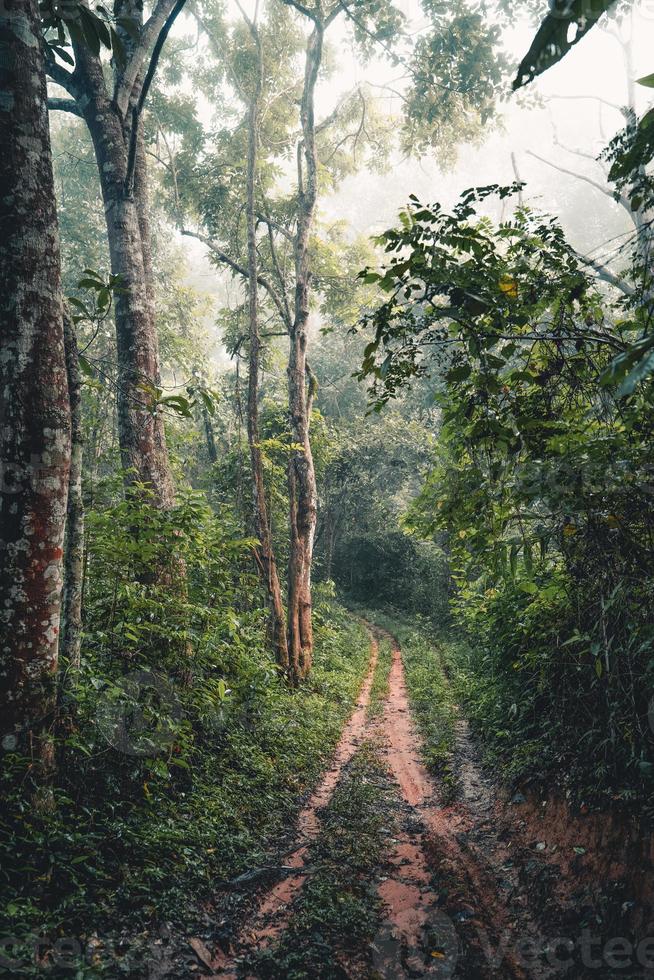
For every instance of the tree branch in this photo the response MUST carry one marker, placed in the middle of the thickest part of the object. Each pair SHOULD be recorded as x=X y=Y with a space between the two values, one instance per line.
x=236 y=267
x=267 y=220
x=145 y=88
x=587 y=180
x=311 y=14
x=61 y=76
x=124 y=91
x=63 y=105
x=280 y=278
x=334 y=114
x=604 y=273
x=594 y=98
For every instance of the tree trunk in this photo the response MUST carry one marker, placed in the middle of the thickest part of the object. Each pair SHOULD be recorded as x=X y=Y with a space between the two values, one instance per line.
x=71 y=642
x=140 y=424
x=301 y=474
x=34 y=408
x=141 y=197
x=212 y=451
x=265 y=552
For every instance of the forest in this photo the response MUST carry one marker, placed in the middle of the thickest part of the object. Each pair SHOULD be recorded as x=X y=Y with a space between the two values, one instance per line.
x=326 y=489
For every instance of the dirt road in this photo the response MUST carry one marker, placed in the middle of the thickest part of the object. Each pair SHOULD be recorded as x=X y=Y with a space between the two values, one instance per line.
x=450 y=904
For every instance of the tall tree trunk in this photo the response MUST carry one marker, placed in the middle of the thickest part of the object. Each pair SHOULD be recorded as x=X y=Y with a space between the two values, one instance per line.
x=34 y=408
x=301 y=474
x=142 y=199
x=140 y=426
x=265 y=552
x=212 y=451
x=71 y=642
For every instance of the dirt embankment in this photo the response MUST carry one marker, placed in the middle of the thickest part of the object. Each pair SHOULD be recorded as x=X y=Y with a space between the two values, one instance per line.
x=582 y=865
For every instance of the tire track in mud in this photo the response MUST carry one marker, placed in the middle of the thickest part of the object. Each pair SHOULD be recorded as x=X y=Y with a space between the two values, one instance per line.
x=459 y=926
x=272 y=912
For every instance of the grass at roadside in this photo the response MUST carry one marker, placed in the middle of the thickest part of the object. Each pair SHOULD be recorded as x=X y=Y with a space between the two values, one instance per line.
x=426 y=659
x=337 y=913
x=151 y=845
x=379 y=689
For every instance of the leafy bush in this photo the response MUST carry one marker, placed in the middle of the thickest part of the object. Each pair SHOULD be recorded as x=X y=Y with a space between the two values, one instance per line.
x=540 y=490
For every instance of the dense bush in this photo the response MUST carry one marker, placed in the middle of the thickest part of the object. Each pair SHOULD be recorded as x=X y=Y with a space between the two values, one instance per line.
x=540 y=488
x=393 y=569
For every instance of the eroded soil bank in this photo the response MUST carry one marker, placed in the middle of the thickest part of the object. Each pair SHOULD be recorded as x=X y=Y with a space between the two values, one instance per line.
x=402 y=884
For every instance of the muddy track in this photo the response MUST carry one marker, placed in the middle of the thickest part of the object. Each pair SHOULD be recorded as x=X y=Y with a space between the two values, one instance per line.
x=483 y=926
x=272 y=911
x=450 y=898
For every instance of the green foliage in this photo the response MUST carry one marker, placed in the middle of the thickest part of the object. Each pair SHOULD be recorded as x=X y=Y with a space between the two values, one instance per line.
x=431 y=698
x=181 y=753
x=458 y=72
x=94 y=28
x=371 y=473
x=630 y=153
x=540 y=491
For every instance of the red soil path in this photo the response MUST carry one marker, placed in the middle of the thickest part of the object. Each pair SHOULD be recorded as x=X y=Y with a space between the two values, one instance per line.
x=271 y=915
x=435 y=876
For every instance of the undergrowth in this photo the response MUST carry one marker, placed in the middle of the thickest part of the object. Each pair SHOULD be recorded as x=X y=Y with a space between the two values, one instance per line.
x=136 y=839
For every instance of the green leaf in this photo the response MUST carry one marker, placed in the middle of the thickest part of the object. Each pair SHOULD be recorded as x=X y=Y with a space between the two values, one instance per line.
x=643 y=369
x=118 y=49
x=89 y=29
x=62 y=53
x=459 y=373
x=208 y=401
x=103 y=32
x=85 y=367
x=647 y=80
x=178 y=404
x=77 y=303
x=621 y=365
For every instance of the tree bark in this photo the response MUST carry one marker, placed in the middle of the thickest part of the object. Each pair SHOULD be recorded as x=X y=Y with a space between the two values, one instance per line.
x=301 y=473
x=34 y=408
x=140 y=424
x=109 y=118
x=265 y=552
x=71 y=642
